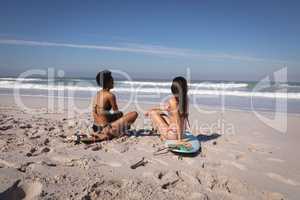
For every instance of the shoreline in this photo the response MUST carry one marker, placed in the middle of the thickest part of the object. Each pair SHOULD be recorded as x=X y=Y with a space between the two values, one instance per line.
x=209 y=107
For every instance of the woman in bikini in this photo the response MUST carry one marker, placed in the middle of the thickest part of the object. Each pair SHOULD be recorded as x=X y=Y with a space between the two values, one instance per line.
x=109 y=122
x=171 y=120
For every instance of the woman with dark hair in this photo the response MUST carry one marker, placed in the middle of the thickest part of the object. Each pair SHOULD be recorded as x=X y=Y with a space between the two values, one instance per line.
x=109 y=122
x=171 y=121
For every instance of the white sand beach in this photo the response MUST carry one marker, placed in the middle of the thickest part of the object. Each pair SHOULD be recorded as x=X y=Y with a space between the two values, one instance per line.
x=246 y=160
x=221 y=77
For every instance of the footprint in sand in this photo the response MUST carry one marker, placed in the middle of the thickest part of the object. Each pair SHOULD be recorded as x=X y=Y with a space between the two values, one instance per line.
x=282 y=179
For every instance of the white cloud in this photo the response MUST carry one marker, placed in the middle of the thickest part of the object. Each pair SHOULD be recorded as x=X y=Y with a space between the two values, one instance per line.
x=141 y=48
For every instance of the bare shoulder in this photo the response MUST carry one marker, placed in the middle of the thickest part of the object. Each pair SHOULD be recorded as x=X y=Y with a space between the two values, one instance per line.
x=111 y=95
x=98 y=94
x=172 y=102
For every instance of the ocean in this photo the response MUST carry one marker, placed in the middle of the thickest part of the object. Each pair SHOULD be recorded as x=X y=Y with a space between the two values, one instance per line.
x=242 y=95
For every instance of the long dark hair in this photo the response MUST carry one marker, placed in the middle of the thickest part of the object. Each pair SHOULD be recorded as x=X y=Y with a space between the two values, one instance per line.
x=179 y=89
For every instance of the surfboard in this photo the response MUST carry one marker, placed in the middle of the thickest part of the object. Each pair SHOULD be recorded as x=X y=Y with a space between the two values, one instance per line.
x=190 y=144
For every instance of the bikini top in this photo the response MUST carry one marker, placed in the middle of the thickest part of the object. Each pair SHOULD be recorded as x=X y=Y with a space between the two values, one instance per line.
x=102 y=109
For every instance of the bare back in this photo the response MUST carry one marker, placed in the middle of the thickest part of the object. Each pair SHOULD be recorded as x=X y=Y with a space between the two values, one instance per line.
x=176 y=120
x=104 y=102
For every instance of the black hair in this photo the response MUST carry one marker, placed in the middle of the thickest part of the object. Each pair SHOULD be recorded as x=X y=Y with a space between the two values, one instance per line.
x=179 y=90
x=104 y=79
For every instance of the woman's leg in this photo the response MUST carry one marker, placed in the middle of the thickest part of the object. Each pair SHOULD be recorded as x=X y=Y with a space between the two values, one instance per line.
x=119 y=126
x=114 y=116
x=159 y=122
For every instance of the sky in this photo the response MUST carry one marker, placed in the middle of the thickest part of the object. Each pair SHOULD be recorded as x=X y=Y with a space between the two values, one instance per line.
x=215 y=40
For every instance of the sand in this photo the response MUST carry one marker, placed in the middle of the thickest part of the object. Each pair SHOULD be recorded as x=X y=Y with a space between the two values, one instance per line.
x=241 y=158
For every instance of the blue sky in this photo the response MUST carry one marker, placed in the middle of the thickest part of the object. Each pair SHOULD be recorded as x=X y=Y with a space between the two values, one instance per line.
x=227 y=40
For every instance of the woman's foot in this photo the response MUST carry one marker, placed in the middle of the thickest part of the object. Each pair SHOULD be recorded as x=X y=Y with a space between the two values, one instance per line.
x=100 y=136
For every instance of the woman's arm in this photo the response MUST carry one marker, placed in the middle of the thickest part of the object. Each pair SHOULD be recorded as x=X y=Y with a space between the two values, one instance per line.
x=162 y=108
x=94 y=107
